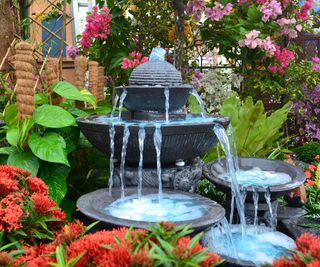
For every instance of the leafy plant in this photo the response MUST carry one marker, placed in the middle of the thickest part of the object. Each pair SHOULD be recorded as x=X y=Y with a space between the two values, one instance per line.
x=307 y=152
x=41 y=143
x=256 y=133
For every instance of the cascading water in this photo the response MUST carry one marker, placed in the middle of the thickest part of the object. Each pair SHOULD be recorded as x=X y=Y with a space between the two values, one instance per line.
x=157 y=139
x=273 y=220
x=115 y=102
x=112 y=133
x=256 y=205
x=122 y=98
x=141 y=138
x=167 y=95
x=224 y=141
x=203 y=110
x=126 y=135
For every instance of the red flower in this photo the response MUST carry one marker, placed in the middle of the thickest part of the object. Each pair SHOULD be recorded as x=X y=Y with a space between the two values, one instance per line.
x=142 y=258
x=168 y=226
x=10 y=214
x=282 y=262
x=69 y=233
x=211 y=260
x=36 y=185
x=41 y=261
x=312 y=167
x=317 y=158
x=314 y=264
x=5 y=259
x=42 y=203
x=308 y=174
x=303 y=242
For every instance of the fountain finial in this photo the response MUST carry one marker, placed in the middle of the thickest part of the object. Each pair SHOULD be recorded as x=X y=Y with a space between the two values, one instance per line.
x=157 y=54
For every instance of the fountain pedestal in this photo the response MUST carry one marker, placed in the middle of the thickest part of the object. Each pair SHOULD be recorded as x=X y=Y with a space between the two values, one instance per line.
x=184 y=178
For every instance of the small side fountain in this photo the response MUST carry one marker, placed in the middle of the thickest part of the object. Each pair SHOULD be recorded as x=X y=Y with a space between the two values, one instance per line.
x=154 y=168
x=154 y=148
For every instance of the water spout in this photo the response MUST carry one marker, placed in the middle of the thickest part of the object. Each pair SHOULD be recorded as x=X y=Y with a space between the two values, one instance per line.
x=126 y=134
x=122 y=97
x=141 y=138
x=255 y=203
x=112 y=133
x=203 y=110
x=157 y=140
x=273 y=220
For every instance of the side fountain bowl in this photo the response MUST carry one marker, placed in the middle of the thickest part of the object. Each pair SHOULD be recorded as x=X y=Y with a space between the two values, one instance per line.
x=94 y=204
x=213 y=171
x=180 y=140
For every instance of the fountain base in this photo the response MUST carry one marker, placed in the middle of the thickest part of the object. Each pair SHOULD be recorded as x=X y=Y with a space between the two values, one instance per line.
x=184 y=178
x=95 y=203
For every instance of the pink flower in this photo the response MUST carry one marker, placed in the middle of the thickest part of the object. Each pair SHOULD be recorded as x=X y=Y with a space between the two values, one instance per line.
x=195 y=8
x=218 y=11
x=136 y=59
x=272 y=69
x=251 y=40
x=72 y=51
x=303 y=14
x=268 y=46
x=316 y=67
x=316 y=59
x=271 y=9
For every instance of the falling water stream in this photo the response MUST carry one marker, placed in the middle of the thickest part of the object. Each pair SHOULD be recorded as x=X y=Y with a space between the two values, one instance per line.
x=256 y=205
x=141 y=138
x=112 y=133
x=126 y=134
x=203 y=110
x=115 y=103
x=157 y=139
x=166 y=94
x=122 y=97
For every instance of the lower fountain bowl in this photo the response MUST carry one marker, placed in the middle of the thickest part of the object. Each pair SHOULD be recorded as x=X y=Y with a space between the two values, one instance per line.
x=93 y=205
x=259 y=246
x=214 y=169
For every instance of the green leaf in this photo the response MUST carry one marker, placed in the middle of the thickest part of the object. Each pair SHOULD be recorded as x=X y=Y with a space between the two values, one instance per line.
x=11 y=114
x=53 y=117
x=13 y=135
x=55 y=176
x=41 y=98
x=27 y=124
x=7 y=150
x=49 y=147
x=67 y=90
x=25 y=160
x=77 y=112
x=71 y=136
x=89 y=98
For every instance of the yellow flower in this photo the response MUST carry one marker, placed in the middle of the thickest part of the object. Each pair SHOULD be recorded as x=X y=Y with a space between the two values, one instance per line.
x=317 y=181
x=133 y=8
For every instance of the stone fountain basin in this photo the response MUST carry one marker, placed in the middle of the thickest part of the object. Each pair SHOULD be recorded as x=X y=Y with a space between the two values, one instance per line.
x=93 y=204
x=213 y=169
x=152 y=98
x=179 y=141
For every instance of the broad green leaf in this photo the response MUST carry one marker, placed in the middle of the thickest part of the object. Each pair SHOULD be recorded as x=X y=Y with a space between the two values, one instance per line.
x=53 y=117
x=27 y=124
x=41 y=98
x=13 y=135
x=11 y=114
x=49 y=147
x=89 y=98
x=67 y=90
x=7 y=150
x=24 y=160
x=78 y=112
x=55 y=176
x=71 y=136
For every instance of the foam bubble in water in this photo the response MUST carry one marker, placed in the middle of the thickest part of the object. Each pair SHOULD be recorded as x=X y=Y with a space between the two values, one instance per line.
x=256 y=177
x=172 y=207
x=259 y=245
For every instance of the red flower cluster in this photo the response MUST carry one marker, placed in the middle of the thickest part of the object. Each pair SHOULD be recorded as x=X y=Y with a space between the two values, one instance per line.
x=311 y=173
x=21 y=197
x=135 y=60
x=97 y=26
x=283 y=57
x=307 y=253
x=119 y=247
x=303 y=13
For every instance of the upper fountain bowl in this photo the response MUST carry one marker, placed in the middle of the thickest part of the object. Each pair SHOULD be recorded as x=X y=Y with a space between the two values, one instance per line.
x=147 y=83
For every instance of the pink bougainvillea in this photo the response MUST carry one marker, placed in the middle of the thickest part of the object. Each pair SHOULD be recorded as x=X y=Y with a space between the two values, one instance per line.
x=97 y=26
x=135 y=59
x=218 y=11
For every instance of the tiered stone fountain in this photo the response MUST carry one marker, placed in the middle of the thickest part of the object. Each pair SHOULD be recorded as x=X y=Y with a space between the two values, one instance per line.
x=154 y=148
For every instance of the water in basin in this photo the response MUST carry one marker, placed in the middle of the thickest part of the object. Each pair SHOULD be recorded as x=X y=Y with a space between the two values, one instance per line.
x=171 y=207
x=257 y=177
x=260 y=244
